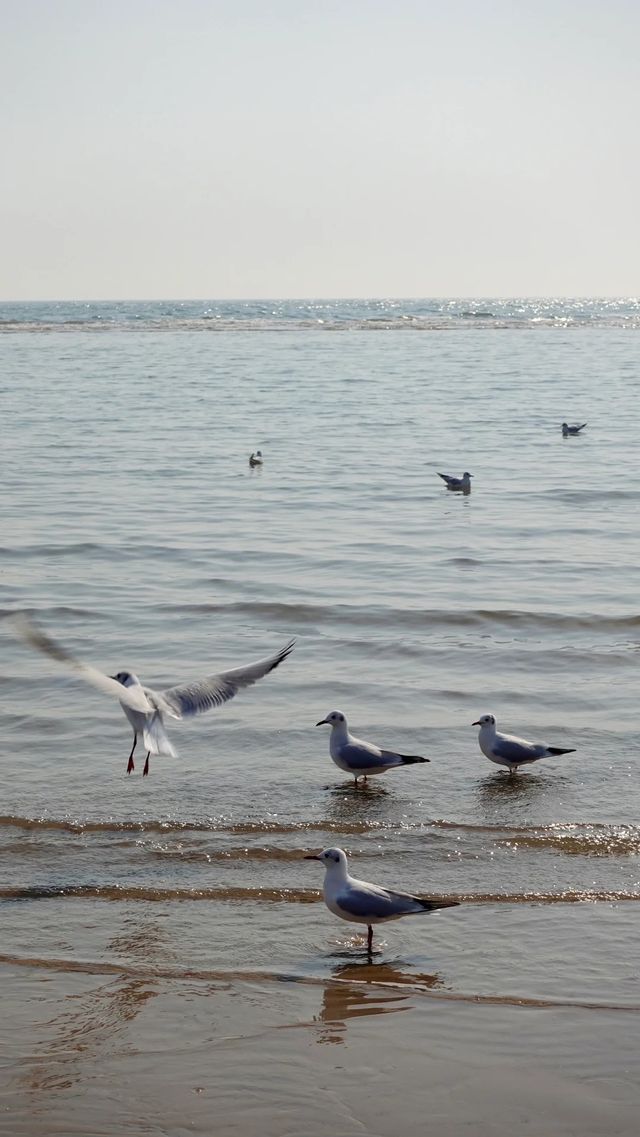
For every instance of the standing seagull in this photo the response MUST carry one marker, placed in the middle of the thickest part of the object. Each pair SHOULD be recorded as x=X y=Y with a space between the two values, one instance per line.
x=463 y=483
x=567 y=430
x=364 y=903
x=145 y=707
x=509 y=750
x=256 y=458
x=358 y=757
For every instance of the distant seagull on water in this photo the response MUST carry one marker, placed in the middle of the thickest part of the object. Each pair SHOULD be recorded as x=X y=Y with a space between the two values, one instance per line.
x=567 y=430
x=509 y=750
x=256 y=458
x=363 y=903
x=357 y=757
x=463 y=483
x=145 y=707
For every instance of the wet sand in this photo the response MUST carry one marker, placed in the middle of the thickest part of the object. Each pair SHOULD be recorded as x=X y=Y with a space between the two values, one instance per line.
x=96 y=1055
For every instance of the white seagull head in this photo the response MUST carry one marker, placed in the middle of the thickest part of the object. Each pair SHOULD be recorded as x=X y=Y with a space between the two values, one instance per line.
x=334 y=718
x=485 y=720
x=127 y=679
x=332 y=859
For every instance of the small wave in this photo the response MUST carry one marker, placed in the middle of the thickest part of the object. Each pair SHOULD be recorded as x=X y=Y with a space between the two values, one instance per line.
x=141 y=892
x=126 y=892
x=459 y=321
x=577 y=838
x=421 y=985
x=172 y=825
x=27 y=551
x=608 y=843
x=243 y=853
x=370 y=616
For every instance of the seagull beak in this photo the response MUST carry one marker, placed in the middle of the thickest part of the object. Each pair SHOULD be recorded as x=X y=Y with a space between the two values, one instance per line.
x=322 y=722
x=312 y=856
x=477 y=723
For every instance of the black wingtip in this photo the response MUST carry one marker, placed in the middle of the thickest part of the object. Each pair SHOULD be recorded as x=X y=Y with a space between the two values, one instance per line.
x=286 y=650
x=433 y=905
x=408 y=759
x=560 y=750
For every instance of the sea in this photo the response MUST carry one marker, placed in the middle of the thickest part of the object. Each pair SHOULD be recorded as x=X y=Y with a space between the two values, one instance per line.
x=166 y=961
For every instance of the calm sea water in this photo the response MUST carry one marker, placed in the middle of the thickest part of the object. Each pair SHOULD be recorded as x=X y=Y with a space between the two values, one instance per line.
x=139 y=536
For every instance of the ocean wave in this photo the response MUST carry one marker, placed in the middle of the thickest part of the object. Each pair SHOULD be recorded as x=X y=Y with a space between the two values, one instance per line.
x=573 y=837
x=377 y=977
x=274 y=895
x=176 y=825
x=372 y=616
x=607 y=842
x=463 y=321
x=576 y=838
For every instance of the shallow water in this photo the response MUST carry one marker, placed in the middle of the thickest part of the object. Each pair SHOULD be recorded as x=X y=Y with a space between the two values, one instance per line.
x=138 y=534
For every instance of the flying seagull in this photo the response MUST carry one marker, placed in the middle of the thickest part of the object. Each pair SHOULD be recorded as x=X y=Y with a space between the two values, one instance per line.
x=364 y=903
x=146 y=708
x=509 y=750
x=567 y=430
x=358 y=757
x=462 y=483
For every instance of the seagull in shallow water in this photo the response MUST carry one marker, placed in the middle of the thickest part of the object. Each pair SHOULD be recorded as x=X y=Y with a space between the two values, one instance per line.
x=509 y=750
x=463 y=483
x=358 y=757
x=146 y=708
x=364 y=903
x=567 y=430
x=256 y=458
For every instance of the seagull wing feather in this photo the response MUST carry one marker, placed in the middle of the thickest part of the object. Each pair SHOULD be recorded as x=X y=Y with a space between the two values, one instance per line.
x=133 y=697
x=518 y=749
x=370 y=900
x=190 y=699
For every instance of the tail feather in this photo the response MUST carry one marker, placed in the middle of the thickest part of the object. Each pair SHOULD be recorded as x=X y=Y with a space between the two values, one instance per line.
x=408 y=759
x=559 y=750
x=155 y=738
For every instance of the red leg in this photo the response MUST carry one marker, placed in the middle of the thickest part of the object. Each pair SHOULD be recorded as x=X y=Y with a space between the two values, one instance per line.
x=370 y=939
x=146 y=765
x=130 y=763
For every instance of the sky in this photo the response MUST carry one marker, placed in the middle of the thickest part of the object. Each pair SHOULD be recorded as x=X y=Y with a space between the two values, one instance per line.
x=290 y=148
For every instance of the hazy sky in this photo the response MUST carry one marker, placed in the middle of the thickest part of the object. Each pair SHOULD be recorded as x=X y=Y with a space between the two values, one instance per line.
x=206 y=148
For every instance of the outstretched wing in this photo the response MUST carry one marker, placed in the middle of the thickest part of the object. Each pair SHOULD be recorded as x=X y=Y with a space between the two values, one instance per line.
x=133 y=697
x=193 y=698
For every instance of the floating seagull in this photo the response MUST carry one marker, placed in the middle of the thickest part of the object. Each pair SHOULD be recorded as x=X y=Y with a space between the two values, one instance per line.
x=358 y=757
x=462 y=483
x=364 y=903
x=567 y=430
x=256 y=458
x=509 y=750
x=145 y=707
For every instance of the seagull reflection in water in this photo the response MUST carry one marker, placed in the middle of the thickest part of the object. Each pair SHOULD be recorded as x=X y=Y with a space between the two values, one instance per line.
x=356 y=990
x=500 y=787
x=74 y=1042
